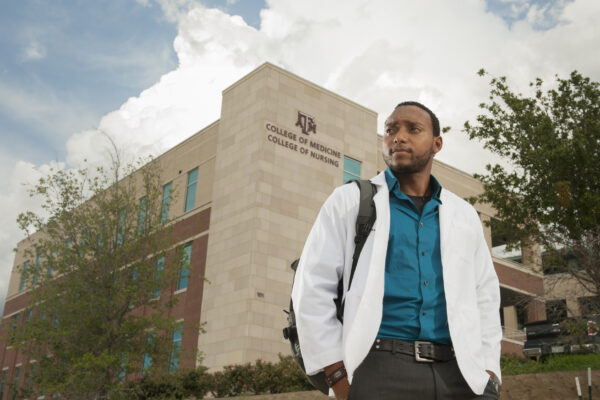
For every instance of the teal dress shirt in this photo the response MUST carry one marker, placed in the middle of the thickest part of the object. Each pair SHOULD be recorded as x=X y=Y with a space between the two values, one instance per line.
x=414 y=303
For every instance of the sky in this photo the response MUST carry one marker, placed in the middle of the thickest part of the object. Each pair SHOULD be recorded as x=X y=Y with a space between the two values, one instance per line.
x=149 y=73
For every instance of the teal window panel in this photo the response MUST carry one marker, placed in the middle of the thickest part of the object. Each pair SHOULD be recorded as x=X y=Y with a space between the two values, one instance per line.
x=147 y=361
x=142 y=212
x=15 y=388
x=37 y=268
x=166 y=202
x=15 y=324
x=351 y=169
x=175 y=348
x=160 y=265
x=50 y=262
x=3 y=382
x=190 y=193
x=184 y=271
x=22 y=282
x=121 y=227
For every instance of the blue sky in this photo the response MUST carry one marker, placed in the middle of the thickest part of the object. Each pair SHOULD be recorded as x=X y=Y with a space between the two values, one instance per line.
x=150 y=72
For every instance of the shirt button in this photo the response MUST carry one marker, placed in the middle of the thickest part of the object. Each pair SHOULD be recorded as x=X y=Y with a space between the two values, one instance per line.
x=422 y=224
x=426 y=283
x=424 y=312
x=422 y=253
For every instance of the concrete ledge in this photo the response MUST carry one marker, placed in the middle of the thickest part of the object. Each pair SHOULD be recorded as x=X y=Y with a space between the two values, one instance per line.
x=548 y=386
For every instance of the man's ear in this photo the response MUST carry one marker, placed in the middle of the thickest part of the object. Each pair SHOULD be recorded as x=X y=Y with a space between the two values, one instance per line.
x=438 y=142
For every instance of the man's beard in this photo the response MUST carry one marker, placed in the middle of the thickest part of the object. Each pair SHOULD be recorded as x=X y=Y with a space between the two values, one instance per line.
x=419 y=164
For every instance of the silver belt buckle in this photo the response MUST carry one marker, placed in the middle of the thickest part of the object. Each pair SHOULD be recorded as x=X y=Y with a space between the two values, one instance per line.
x=418 y=357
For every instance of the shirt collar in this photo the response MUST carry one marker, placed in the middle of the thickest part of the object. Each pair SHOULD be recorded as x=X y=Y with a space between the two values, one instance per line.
x=392 y=183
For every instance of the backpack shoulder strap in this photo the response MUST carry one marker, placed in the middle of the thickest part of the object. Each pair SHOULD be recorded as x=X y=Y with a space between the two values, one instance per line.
x=364 y=220
x=364 y=223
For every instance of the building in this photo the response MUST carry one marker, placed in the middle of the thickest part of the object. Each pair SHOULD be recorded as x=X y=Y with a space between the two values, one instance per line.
x=250 y=186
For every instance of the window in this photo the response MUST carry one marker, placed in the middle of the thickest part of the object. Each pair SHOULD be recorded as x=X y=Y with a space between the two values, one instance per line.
x=351 y=169
x=190 y=193
x=13 y=392
x=13 y=332
x=147 y=362
x=30 y=374
x=121 y=227
x=184 y=271
x=166 y=202
x=143 y=210
x=3 y=382
x=22 y=282
x=49 y=270
x=175 y=348
x=134 y=275
x=160 y=265
x=123 y=369
x=37 y=269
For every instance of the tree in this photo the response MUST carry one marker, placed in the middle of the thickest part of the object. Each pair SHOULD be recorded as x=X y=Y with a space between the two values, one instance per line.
x=550 y=191
x=103 y=251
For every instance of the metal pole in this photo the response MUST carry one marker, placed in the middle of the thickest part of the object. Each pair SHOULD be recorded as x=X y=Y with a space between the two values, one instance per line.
x=589 y=383
x=578 y=388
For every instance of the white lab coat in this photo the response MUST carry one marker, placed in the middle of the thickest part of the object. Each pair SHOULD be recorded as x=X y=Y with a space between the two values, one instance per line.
x=470 y=284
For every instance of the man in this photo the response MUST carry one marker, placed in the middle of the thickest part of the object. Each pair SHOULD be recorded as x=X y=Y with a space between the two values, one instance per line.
x=421 y=316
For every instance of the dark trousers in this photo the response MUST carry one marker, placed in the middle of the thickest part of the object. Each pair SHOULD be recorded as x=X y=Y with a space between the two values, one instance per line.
x=386 y=376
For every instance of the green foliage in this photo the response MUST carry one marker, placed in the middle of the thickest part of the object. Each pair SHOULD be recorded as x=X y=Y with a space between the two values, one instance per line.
x=259 y=378
x=234 y=380
x=550 y=191
x=98 y=252
x=183 y=385
x=513 y=365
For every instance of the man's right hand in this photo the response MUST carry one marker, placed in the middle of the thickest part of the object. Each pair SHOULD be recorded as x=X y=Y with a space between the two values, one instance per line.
x=342 y=388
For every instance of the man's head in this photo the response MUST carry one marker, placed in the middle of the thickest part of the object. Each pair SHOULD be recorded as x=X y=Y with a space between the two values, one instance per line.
x=411 y=138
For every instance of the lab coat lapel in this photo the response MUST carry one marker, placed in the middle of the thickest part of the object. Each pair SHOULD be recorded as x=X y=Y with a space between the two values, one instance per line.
x=446 y=214
x=367 y=319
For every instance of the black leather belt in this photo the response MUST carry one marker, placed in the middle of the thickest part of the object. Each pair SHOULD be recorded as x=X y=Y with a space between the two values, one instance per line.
x=423 y=351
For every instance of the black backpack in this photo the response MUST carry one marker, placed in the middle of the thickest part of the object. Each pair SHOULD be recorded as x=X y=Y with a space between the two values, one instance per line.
x=364 y=222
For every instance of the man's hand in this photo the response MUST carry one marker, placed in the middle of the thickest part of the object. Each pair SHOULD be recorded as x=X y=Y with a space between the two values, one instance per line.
x=342 y=388
x=492 y=375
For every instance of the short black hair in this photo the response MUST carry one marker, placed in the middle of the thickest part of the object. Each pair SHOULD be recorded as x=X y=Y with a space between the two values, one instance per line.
x=434 y=120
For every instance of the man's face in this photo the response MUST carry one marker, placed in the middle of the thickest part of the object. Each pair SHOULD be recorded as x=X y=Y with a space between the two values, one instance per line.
x=408 y=141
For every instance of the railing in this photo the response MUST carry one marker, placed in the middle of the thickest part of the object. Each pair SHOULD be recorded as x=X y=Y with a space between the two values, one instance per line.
x=513 y=334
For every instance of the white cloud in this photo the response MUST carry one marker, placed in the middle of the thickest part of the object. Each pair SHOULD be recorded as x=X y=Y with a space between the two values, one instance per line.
x=376 y=53
x=33 y=52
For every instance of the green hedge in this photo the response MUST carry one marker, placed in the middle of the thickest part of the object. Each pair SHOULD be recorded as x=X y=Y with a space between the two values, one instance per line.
x=514 y=365
x=234 y=380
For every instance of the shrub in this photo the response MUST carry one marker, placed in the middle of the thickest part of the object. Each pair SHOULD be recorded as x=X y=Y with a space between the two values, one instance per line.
x=190 y=383
x=234 y=380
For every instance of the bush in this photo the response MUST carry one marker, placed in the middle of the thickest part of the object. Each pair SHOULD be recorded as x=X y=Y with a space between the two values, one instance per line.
x=234 y=380
x=191 y=383
x=263 y=375
x=290 y=376
x=219 y=384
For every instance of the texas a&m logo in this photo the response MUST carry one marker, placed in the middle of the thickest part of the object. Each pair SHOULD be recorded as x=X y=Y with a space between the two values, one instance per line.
x=306 y=123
